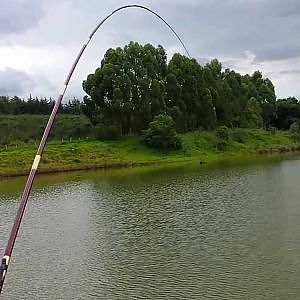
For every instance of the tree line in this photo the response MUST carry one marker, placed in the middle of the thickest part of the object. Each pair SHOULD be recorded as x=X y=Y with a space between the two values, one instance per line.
x=36 y=106
x=136 y=83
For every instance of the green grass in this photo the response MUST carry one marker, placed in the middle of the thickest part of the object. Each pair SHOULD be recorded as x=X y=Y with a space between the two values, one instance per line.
x=197 y=146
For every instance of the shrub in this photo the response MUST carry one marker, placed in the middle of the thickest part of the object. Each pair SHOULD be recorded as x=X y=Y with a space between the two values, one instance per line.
x=222 y=137
x=162 y=134
x=295 y=132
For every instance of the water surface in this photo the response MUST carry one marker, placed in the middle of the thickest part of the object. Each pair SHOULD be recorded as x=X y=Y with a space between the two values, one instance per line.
x=184 y=232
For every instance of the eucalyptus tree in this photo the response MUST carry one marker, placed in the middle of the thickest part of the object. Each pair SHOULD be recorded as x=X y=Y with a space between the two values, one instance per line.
x=128 y=88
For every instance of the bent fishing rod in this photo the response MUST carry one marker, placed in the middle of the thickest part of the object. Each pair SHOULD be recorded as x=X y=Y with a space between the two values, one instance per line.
x=26 y=192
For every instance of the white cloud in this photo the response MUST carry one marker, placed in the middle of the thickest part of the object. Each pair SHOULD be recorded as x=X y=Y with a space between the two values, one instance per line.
x=281 y=72
x=16 y=18
x=14 y=82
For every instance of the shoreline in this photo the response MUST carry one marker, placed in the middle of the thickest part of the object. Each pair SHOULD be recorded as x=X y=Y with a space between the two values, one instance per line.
x=198 y=148
x=107 y=166
x=266 y=154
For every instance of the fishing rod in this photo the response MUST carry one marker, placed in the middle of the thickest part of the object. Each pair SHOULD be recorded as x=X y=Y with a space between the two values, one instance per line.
x=26 y=192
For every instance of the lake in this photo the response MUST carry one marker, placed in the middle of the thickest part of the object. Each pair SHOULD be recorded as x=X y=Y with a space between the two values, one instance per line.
x=227 y=231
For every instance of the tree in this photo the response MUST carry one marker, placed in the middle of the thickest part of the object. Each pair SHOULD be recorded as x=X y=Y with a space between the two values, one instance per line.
x=135 y=83
x=183 y=89
x=265 y=95
x=223 y=104
x=252 y=117
x=161 y=133
x=207 y=112
x=295 y=132
x=73 y=106
x=127 y=89
x=287 y=112
x=222 y=137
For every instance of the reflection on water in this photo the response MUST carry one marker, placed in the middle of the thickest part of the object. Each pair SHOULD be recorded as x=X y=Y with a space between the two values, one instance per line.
x=185 y=232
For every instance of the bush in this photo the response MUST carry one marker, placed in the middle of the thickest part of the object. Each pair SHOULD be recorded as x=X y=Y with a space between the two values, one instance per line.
x=162 y=134
x=240 y=135
x=107 y=132
x=222 y=137
x=295 y=132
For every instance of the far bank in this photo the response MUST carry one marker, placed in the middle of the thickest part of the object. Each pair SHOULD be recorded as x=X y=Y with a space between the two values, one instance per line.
x=130 y=151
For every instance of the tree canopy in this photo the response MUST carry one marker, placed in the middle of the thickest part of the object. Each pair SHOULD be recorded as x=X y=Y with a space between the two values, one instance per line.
x=36 y=106
x=135 y=83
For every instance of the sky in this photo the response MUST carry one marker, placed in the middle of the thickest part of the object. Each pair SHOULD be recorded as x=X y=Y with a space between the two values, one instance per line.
x=39 y=40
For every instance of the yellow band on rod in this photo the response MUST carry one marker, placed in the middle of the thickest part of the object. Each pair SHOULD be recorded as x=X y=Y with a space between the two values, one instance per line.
x=36 y=162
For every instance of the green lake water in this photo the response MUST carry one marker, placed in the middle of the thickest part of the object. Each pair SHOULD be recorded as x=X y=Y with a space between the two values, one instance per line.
x=177 y=232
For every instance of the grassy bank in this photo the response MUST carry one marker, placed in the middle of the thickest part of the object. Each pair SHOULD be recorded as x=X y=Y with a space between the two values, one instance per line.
x=86 y=154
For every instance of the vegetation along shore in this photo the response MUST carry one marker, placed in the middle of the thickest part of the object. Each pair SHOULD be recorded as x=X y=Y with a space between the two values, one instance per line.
x=198 y=147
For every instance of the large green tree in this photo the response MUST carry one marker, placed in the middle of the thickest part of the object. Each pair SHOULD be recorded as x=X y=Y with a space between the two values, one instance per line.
x=128 y=88
x=135 y=83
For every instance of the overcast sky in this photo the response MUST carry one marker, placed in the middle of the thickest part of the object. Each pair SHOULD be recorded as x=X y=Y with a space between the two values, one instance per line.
x=40 y=39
